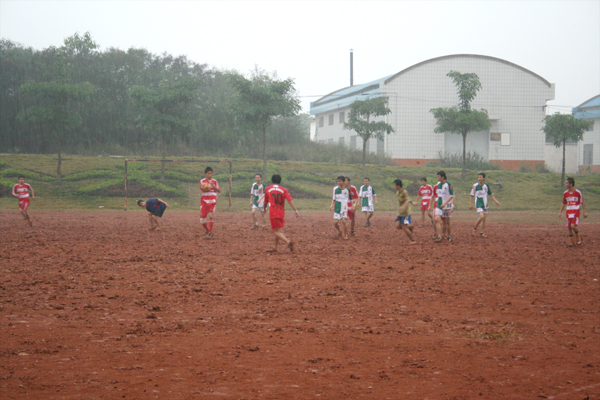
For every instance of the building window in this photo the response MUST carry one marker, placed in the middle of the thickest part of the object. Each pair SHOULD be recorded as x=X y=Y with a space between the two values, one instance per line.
x=495 y=136
x=353 y=142
x=342 y=117
x=342 y=140
x=330 y=119
x=380 y=147
x=505 y=139
x=588 y=154
x=330 y=141
x=321 y=122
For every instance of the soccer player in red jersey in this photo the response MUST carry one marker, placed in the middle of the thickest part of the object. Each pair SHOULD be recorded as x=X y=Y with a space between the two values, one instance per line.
x=352 y=205
x=209 y=187
x=573 y=199
x=21 y=191
x=425 y=193
x=276 y=196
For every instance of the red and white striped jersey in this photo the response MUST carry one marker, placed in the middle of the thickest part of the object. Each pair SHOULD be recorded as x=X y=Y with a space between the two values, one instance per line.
x=210 y=196
x=573 y=200
x=22 y=190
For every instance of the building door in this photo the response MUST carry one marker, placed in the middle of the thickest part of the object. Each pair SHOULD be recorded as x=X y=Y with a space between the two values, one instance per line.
x=588 y=154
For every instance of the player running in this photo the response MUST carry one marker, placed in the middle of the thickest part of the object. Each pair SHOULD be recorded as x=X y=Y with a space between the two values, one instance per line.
x=480 y=192
x=21 y=191
x=573 y=199
x=403 y=220
x=156 y=208
x=352 y=204
x=443 y=206
x=258 y=209
x=276 y=196
x=339 y=206
x=425 y=193
x=367 y=195
x=208 y=203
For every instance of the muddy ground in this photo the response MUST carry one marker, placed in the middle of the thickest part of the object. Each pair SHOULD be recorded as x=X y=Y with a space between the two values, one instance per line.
x=93 y=305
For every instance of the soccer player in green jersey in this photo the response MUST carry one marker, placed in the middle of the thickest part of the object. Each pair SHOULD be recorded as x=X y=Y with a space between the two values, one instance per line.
x=443 y=207
x=339 y=205
x=480 y=192
x=368 y=196
x=258 y=208
x=403 y=221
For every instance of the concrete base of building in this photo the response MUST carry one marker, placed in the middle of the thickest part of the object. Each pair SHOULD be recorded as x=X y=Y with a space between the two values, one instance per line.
x=504 y=164
x=589 y=169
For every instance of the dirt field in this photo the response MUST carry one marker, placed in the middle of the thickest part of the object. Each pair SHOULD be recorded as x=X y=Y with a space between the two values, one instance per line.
x=92 y=305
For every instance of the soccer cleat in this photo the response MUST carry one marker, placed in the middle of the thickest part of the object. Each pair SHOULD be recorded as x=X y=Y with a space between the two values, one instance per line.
x=413 y=242
x=367 y=223
x=448 y=238
x=482 y=234
x=291 y=245
x=209 y=234
x=264 y=227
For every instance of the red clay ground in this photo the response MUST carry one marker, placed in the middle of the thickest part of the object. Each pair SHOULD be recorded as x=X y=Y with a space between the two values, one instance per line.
x=92 y=305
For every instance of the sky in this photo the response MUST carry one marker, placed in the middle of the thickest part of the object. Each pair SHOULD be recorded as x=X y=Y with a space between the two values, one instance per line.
x=310 y=41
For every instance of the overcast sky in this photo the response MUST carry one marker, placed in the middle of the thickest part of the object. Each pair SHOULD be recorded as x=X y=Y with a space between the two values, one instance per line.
x=309 y=41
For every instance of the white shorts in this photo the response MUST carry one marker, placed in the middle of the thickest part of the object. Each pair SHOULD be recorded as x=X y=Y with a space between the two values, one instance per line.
x=443 y=213
x=259 y=208
x=340 y=216
x=482 y=210
x=368 y=209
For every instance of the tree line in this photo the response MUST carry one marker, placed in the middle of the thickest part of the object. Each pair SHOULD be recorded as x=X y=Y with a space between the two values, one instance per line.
x=80 y=100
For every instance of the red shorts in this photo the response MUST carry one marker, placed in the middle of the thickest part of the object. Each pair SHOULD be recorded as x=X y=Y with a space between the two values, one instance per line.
x=207 y=208
x=24 y=204
x=574 y=221
x=424 y=206
x=277 y=223
x=351 y=215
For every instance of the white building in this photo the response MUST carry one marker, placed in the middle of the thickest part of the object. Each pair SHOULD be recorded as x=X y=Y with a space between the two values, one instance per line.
x=514 y=97
x=588 y=151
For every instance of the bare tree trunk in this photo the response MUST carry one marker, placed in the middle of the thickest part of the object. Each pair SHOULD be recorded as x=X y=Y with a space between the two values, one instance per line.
x=562 y=178
x=164 y=157
x=364 y=158
x=58 y=169
x=264 y=152
x=464 y=167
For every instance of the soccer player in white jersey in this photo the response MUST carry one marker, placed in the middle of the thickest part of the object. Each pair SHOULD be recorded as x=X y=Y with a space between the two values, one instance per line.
x=368 y=196
x=480 y=192
x=21 y=191
x=443 y=206
x=258 y=208
x=339 y=205
x=573 y=199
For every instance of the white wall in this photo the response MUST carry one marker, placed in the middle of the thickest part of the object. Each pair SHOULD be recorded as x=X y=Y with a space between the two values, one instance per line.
x=554 y=157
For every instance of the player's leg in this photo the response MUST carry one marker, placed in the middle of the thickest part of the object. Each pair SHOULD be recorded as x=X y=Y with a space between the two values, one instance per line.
x=345 y=228
x=571 y=233
x=352 y=219
x=336 y=225
x=448 y=229
x=422 y=219
x=480 y=217
x=577 y=235
x=254 y=218
x=262 y=217
x=483 y=220
x=438 y=224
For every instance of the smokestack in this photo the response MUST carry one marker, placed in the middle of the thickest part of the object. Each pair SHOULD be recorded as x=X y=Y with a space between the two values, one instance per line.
x=351 y=67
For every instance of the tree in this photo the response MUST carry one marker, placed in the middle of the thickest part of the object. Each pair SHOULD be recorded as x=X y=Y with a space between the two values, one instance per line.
x=56 y=104
x=165 y=111
x=359 y=120
x=462 y=119
x=563 y=127
x=259 y=99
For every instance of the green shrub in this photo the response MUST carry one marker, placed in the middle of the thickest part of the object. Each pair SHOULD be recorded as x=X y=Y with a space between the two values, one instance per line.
x=473 y=161
x=94 y=174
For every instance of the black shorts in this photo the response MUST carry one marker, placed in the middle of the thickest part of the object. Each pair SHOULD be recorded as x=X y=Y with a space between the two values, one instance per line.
x=159 y=211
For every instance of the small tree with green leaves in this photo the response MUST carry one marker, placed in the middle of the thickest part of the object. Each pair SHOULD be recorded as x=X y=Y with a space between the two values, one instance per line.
x=562 y=127
x=55 y=104
x=164 y=110
x=360 y=121
x=260 y=99
x=462 y=119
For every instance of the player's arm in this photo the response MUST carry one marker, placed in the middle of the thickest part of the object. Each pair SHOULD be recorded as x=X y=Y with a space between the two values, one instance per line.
x=561 y=209
x=471 y=202
x=375 y=198
x=584 y=213
x=404 y=205
x=332 y=204
x=251 y=198
x=497 y=202
x=14 y=193
x=448 y=201
x=294 y=207
x=416 y=201
x=32 y=193
x=217 y=187
x=164 y=202
x=261 y=199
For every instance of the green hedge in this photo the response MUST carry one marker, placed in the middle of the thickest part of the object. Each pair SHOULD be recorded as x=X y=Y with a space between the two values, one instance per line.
x=94 y=174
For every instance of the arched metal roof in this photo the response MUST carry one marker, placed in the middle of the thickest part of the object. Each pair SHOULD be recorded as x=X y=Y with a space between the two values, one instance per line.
x=469 y=56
